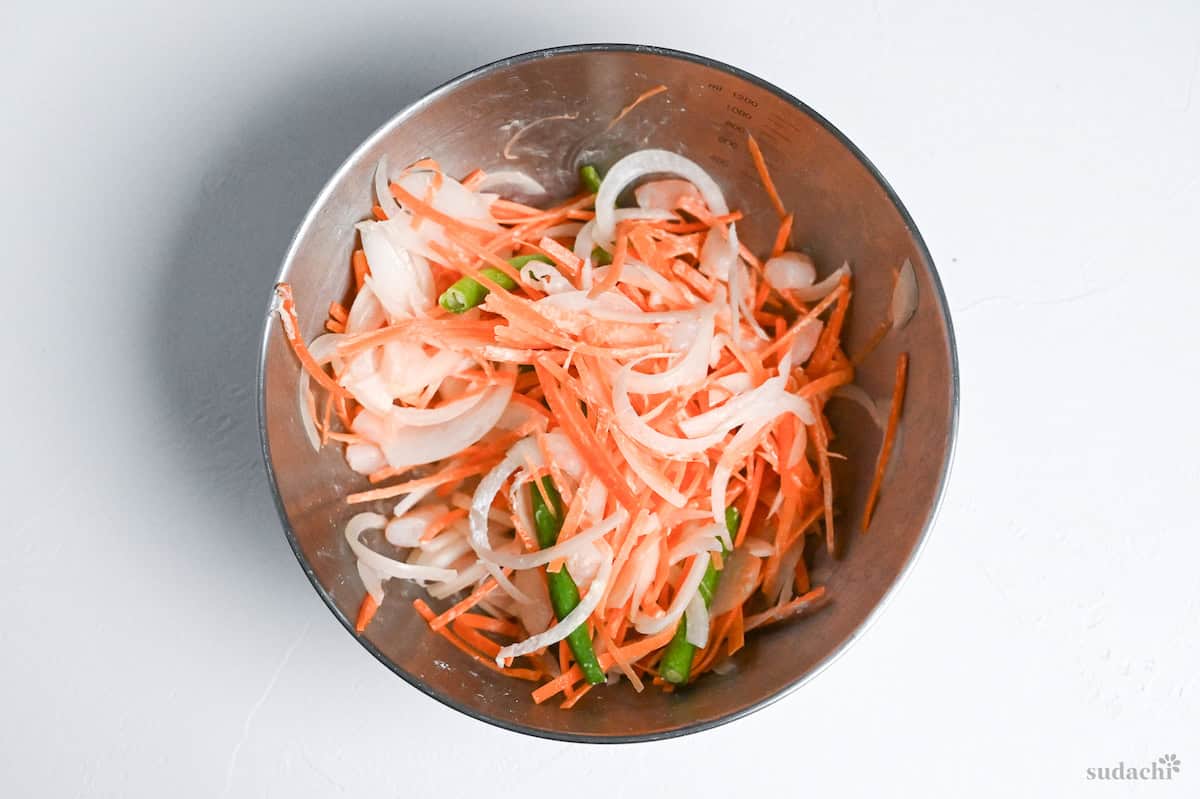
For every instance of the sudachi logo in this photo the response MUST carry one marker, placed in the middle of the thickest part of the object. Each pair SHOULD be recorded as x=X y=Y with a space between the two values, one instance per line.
x=1164 y=768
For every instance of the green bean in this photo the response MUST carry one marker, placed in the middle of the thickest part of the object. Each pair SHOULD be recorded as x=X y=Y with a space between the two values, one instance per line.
x=564 y=594
x=676 y=664
x=469 y=292
x=590 y=177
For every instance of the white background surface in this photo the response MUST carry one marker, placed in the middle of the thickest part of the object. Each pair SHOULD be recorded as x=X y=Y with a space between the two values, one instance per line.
x=158 y=637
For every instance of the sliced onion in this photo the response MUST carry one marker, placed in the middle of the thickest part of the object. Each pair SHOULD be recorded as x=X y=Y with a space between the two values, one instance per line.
x=567 y=230
x=666 y=195
x=625 y=584
x=637 y=429
x=414 y=446
x=371 y=581
x=904 y=296
x=364 y=458
x=790 y=270
x=690 y=369
x=647 y=471
x=399 y=278
x=703 y=538
x=451 y=198
x=818 y=291
x=573 y=545
x=466 y=577
x=737 y=449
x=567 y=625
x=780 y=588
x=536 y=614
x=410 y=500
x=640 y=164
x=385 y=566
x=545 y=277
x=383 y=194
x=365 y=314
x=406 y=530
x=697 y=621
x=323 y=349
x=739 y=578
x=512 y=180
x=804 y=341
x=769 y=399
x=687 y=589
x=425 y=417
x=758 y=547
x=858 y=396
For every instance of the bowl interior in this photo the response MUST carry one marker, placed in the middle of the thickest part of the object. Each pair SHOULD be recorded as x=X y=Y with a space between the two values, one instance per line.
x=561 y=103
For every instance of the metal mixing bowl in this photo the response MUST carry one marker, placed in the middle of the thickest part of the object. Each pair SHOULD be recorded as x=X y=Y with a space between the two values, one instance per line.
x=844 y=211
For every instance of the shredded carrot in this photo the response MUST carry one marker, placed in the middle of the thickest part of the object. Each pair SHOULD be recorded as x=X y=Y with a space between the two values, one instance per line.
x=366 y=612
x=889 y=437
x=760 y=164
x=559 y=346
x=641 y=98
x=781 y=238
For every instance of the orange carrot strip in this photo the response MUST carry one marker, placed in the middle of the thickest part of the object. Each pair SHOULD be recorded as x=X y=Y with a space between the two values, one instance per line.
x=751 y=501
x=423 y=208
x=489 y=585
x=490 y=624
x=447 y=476
x=569 y=703
x=366 y=612
x=338 y=311
x=760 y=164
x=291 y=329
x=334 y=326
x=379 y=214
x=646 y=95
x=521 y=674
x=889 y=438
x=826 y=486
x=442 y=522
x=826 y=382
x=827 y=344
x=590 y=448
x=475 y=638
x=781 y=238
x=813 y=600
x=473 y=179
x=881 y=331
x=359 y=262
x=620 y=253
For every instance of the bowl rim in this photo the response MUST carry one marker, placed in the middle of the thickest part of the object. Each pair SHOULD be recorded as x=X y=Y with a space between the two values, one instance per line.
x=939 y=293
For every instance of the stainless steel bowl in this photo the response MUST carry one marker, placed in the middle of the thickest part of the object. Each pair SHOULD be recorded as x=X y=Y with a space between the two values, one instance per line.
x=844 y=210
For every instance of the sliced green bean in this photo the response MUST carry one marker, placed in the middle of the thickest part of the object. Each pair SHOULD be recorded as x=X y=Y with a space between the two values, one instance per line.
x=676 y=664
x=590 y=176
x=564 y=594
x=469 y=292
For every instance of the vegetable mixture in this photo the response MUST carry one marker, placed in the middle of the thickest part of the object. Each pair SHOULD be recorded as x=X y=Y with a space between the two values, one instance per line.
x=601 y=429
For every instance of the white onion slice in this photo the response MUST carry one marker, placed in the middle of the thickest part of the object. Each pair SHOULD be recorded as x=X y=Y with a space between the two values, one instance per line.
x=567 y=230
x=647 y=471
x=758 y=547
x=424 y=417
x=904 y=296
x=559 y=631
x=704 y=538
x=414 y=446
x=406 y=530
x=857 y=395
x=574 y=545
x=637 y=429
x=545 y=277
x=738 y=579
x=323 y=349
x=818 y=291
x=385 y=566
x=697 y=622
x=468 y=576
x=400 y=279
x=514 y=180
x=364 y=458
x=649 y=162
x=691 y=584
x=666 y=195
x=789 y=271
x=383 y=194
x=691 y=368
x=536 y=614
x=410 y=500
x=366 y=314
x=804 y=341
x=371 y=581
